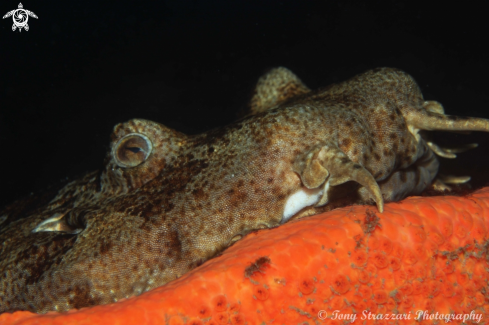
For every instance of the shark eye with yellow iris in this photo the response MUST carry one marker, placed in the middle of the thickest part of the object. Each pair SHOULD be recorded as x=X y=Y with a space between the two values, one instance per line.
x=132 y=150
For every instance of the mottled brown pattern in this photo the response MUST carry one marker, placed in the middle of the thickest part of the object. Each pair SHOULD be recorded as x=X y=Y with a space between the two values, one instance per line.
x=150 y=217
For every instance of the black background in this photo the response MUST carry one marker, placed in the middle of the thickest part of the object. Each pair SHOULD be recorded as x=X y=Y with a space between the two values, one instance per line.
x=85 y=66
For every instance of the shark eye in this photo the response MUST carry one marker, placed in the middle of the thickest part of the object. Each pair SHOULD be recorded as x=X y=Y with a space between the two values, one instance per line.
x=132 y=150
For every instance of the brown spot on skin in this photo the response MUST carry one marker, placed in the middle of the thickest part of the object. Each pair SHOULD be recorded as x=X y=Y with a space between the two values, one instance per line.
x=379 y=123
x=221 y=228
x=276 y=190
x=199 y=194
x=346 y=143
x=105 y=246
x=172 y=243
x=82 y=297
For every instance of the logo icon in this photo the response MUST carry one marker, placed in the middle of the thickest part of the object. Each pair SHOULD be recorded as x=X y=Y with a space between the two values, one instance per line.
x=20 y=17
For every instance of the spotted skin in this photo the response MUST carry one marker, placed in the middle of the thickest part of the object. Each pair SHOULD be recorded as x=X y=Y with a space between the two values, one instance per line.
x=166 y=202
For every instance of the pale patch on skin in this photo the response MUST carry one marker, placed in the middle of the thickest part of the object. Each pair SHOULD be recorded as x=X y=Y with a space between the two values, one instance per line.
x=301 y=199
x=166 y=202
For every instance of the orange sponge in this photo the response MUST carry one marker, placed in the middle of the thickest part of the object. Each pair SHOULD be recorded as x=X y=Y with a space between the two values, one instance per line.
x=423 y=259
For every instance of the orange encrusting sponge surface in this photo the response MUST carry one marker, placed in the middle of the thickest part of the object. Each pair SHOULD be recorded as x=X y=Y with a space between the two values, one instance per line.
x=422 y=254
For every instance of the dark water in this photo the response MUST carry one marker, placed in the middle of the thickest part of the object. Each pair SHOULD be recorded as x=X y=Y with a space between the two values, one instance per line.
x=85 y=66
